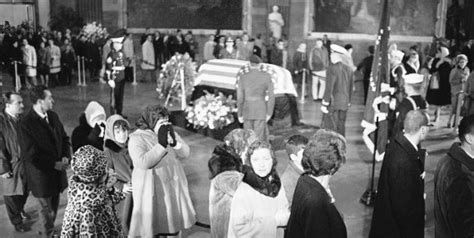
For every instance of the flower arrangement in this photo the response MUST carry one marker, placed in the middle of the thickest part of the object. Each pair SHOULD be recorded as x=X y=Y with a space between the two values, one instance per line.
x=171 y=71
x=211 y=111
x=94 y=29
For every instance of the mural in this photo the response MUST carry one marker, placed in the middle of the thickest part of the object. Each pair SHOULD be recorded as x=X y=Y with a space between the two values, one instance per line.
x=408 y=17
x=194 y=14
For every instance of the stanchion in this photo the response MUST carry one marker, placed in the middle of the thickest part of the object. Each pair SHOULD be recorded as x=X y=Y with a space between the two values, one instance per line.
x=134 y=63
x=303 y=86
x=183 y=89
x=79 y=71
x=17 y=78
x=83 y=71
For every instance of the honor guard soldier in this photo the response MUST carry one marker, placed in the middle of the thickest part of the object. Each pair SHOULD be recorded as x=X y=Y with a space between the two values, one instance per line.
x=115 y=72
x=413 y=100
x=255 y=97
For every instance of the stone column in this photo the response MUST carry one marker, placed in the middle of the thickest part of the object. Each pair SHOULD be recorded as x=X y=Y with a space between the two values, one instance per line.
x=43 y=10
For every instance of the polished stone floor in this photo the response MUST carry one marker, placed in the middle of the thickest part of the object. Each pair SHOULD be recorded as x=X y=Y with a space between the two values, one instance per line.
x=347 y=185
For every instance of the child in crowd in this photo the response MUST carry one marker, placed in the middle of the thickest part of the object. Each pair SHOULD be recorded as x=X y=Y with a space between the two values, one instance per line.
x=90 y=209
x=116 y=150
x=294 y=147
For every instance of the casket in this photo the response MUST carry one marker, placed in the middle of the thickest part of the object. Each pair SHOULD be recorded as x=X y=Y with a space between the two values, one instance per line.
x=222 y=74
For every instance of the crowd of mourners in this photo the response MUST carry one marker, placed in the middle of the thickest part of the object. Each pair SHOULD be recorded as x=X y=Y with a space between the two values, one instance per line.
x=129 y=180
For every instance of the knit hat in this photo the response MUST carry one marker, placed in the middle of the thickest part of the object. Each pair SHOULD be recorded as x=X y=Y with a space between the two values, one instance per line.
x=95 y=113
x=461 y=56
x=89 y=164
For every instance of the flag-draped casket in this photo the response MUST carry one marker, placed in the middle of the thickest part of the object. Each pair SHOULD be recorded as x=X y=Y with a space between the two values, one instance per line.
x=223 y=74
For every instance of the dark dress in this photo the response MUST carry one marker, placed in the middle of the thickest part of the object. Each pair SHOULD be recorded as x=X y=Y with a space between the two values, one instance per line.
x=441 y=96
x=399 y=208
x=312 y=213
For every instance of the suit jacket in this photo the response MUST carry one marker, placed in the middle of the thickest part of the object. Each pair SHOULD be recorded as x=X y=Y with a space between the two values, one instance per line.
x=338 y=92
x=399 y=208
x=252 y=89
x=10 y=156
x=454 y=195
x=44 y=145
x=312 y=213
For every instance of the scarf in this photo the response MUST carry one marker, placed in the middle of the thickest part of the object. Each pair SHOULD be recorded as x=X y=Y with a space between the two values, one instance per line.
x=269 y=185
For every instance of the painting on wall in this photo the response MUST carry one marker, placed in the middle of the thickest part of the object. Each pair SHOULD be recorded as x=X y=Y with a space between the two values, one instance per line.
x=408 y=17
x=190 y=14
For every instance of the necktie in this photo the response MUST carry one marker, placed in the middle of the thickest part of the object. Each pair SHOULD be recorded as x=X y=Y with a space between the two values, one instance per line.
x=46 y=119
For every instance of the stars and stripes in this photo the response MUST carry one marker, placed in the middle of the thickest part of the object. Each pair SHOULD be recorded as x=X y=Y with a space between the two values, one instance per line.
x=378 y=98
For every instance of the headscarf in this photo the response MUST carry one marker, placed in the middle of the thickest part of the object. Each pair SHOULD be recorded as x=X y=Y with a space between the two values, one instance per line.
x=88 y=164
x=302 y=48
x=150 y=116
x=269 y=185
x=444 y=52
x=109 y=127
x=94 y=113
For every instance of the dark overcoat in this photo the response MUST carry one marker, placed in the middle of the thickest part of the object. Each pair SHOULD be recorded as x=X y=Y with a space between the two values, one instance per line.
x=399 y=207
x=44 y=145
x=10 y=156
x=454 y=195
x=312 y=213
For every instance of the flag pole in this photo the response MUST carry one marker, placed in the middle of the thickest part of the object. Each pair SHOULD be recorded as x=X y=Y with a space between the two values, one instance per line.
x=369 y=195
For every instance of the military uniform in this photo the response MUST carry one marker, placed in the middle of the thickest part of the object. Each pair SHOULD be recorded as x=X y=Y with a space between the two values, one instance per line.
x=254 y=84
x=409 y=103
x=115 y=70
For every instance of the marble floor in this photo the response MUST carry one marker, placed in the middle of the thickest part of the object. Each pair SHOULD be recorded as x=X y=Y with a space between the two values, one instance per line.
x=347 y=185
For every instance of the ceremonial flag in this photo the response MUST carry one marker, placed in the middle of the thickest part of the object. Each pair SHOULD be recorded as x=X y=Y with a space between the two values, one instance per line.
x=378 y=98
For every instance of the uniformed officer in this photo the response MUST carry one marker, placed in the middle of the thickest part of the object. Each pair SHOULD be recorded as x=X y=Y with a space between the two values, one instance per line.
x=413 y=100
x=114 y=69
x=338 y=91
x=254 y=85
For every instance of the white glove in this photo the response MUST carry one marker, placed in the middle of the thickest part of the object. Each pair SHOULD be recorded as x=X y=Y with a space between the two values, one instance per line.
x=111 y=83
x=324 y=109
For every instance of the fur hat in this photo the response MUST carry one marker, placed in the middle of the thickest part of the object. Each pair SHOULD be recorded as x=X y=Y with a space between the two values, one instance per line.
x=89 y=164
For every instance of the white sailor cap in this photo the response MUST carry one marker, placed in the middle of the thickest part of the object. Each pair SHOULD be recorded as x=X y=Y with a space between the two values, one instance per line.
x=338 y=49
x=398 y=54
x=117 y=39
x=414 y=78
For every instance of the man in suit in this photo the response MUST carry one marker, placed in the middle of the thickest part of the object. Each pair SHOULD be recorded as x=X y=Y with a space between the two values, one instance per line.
x=254 y=109
x=399 y=210
x=338 y=92
x=46 y=151
x=12 y=174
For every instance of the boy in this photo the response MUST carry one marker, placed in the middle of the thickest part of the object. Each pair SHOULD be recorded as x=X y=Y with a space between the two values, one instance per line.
x=294 y=147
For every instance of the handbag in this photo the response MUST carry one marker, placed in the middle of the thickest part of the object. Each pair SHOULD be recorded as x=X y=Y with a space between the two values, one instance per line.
x=434 y=81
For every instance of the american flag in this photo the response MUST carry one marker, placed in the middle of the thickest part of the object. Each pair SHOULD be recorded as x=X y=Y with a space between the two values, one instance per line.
x=224 y=73
x=378 y=98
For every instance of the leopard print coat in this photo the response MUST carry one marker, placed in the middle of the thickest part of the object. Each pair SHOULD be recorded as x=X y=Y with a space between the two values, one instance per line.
x=90 y=211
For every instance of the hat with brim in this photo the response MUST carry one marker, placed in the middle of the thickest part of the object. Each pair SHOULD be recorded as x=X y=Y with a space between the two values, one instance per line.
x=338 y=49
x=118 y=36
x=414 y=78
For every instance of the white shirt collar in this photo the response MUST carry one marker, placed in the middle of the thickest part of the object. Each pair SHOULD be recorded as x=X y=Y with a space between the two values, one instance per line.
x=412 y=143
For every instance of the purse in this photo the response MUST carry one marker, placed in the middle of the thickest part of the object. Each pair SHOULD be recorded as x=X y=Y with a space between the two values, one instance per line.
x=434 y=81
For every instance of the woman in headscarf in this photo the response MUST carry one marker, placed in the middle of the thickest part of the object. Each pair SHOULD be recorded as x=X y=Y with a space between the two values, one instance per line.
x=91 y=127
x=225 y=168
x=259 y=205
x=116 y=150
x=313 y=213
x=161 y=201
x=439 y=91
x=91 y=197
